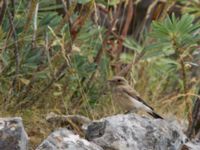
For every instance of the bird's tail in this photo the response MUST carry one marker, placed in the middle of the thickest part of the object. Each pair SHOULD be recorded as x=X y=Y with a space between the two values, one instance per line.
x=155 y=115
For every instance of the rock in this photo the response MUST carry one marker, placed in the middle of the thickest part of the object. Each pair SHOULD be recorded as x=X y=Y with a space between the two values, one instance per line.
x=133 y=132
x=63 y=139
x=192 y=145
x=12 y=134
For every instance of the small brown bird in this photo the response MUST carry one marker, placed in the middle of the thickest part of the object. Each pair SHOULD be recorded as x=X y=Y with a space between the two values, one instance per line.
x=127 y=98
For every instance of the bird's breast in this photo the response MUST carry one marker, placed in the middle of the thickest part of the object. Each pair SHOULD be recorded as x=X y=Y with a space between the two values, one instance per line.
x=123 y=101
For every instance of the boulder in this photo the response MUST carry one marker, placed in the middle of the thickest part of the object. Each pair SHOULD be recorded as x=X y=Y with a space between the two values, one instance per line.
x=121 y=132
x=134 y=132
x=12 y=134
x=191 y=145
x=63 y=139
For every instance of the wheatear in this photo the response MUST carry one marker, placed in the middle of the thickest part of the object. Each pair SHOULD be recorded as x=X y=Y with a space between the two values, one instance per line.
x=127 y=98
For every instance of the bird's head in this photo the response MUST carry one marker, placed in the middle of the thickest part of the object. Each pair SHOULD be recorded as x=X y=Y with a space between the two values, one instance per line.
x=118 y=80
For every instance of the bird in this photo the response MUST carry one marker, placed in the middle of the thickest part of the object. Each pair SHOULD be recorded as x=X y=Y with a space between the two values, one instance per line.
x=127 y=98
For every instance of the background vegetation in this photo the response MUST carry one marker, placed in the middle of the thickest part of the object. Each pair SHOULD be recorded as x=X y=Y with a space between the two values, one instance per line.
x=55 y=56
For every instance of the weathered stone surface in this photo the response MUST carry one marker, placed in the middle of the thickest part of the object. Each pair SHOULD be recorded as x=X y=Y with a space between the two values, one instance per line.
x=192 y=145
x=12 y=134
x=133 y=132
x=63 y=139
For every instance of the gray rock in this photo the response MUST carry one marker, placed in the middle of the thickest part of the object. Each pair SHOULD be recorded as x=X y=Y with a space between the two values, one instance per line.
x=63 y=139
x=12 y=134
x=133 y=132
x=192 y=145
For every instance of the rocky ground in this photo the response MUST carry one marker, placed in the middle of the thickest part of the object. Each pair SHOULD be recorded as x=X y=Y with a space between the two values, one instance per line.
x=119 y=132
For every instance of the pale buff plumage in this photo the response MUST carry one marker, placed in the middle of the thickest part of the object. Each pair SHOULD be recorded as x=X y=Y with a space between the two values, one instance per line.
x=127 y=98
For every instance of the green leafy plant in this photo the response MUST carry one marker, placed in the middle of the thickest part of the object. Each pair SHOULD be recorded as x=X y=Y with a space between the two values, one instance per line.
x=167 y=52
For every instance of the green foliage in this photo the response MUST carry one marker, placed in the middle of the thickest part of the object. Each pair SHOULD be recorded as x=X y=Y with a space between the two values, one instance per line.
x=176 y=33
x=40 y=60
x=83 y=66
x=175 y=38
x=167 y=51
x=133 y=45
x=192 y=7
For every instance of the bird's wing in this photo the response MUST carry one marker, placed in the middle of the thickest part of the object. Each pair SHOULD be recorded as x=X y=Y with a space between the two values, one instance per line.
x=131 y=92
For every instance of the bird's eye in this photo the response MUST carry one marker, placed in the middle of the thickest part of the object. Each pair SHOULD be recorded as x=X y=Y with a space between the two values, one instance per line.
x=118 y=80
